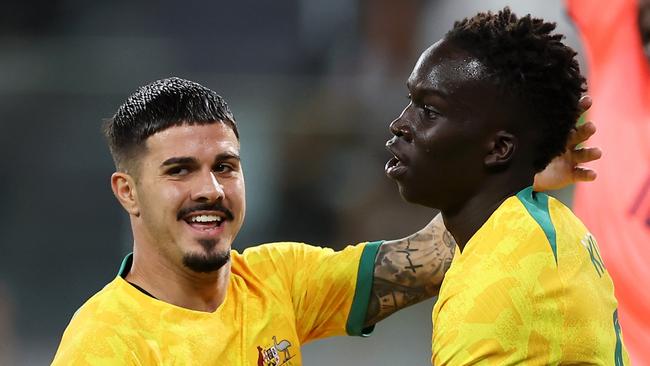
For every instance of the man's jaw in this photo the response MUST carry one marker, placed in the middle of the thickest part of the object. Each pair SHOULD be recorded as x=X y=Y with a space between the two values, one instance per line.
x=206 y=262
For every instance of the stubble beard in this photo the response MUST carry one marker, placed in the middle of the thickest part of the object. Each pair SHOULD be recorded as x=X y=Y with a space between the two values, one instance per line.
x=208 y=261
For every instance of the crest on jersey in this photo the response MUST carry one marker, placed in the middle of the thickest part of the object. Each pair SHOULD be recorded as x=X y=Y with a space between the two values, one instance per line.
x=275 y=354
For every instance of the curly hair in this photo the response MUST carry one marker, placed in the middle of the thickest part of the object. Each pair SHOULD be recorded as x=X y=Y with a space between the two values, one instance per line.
x=530 y=65
x=158 y=106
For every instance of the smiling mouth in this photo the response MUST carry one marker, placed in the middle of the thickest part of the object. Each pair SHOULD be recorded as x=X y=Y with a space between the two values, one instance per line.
x=205 y=222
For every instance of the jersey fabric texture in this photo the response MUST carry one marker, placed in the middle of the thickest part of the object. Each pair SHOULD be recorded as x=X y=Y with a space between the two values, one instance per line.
x=280 y=296
x=529 y=288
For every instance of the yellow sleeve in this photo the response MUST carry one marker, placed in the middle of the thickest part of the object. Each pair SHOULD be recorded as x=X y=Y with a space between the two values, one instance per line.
x=329 y=290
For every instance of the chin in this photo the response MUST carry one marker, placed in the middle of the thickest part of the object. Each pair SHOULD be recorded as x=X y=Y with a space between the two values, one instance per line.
x=206 y=262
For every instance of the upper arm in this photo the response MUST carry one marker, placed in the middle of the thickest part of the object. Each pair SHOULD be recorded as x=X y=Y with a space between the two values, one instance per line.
x=410 y=270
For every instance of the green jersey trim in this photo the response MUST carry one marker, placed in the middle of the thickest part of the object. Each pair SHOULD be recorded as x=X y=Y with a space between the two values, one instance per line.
x=536 y=204
x=361 y=300
x=125 y=267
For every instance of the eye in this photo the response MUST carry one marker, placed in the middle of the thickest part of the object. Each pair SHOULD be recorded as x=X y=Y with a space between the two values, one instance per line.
x=178 y=171
x=430 y=112
x=223 y=168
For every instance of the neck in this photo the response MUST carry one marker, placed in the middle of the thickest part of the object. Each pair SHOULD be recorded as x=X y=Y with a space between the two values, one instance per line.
x=176 y=284
x=464 y=221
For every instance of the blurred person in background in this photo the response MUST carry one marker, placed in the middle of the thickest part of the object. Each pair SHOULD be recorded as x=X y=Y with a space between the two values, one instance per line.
x=183 y=294
x=616 y=38
x=491 y=104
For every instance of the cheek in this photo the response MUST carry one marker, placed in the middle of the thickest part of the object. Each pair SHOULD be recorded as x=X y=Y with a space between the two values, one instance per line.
x=236 y=194
x=162 y=198
x=438 y=143
x=236 y=201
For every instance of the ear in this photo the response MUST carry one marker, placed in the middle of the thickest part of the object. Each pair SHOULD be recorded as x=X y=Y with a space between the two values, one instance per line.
x=502 y=149
x=124 y=189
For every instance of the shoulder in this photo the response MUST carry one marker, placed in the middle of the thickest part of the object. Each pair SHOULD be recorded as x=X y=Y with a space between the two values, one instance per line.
x=106 y=308
x=519 y=226
x=105 y=299
x=280 y=251
x=564 y=218
x=97 y=329
x=266 y=262
x=269 y=253
x=290 y=257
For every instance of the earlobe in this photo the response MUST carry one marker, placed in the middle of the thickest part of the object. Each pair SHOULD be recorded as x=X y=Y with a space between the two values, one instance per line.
x=502 y=150
x=123 y=186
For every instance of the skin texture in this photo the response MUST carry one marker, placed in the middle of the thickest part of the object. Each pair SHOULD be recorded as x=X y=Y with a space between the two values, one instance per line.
x=184 y=170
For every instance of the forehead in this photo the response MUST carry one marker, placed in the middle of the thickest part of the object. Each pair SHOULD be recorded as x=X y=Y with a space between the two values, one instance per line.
x=198 y=141
x=446 y=69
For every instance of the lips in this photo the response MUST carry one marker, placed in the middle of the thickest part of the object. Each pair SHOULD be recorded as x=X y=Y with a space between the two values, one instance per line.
x=397 y=165
x=206 y=222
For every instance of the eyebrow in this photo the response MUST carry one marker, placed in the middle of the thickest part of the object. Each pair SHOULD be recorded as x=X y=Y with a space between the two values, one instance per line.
x=178 y=160
x=186 y=160
x=429 y=90
x=226 y=156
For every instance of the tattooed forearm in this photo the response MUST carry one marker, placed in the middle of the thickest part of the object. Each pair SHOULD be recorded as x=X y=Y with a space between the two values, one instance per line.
x=410 y=270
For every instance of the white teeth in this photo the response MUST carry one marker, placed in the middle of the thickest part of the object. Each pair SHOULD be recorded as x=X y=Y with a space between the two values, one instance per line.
x=206 y=218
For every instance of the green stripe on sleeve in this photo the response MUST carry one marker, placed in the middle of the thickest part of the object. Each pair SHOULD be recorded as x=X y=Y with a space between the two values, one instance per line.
x=362 y=292
x=536 y=204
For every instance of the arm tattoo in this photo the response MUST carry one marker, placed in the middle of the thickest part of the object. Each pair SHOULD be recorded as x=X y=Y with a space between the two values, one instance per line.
x=410 y=270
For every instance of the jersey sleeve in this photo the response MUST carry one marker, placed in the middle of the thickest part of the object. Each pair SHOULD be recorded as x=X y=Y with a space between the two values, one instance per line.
x=329 y=290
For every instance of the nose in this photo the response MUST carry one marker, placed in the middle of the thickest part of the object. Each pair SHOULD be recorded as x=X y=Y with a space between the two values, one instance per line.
x=400 y=127
x=207 y=189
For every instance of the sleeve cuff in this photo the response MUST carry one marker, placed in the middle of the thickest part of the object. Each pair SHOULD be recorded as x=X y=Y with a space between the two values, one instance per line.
x=362 y=291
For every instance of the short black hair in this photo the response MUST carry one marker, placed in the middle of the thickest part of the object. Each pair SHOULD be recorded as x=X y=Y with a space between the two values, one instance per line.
x=158 y=106
x=528 y=62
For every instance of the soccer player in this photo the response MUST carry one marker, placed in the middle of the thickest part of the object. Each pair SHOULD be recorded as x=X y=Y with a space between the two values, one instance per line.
x=183 y=296
x=491 y=104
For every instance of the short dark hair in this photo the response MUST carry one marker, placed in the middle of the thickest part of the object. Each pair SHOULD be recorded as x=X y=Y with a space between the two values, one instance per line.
x=158 y=106
x=531 y=66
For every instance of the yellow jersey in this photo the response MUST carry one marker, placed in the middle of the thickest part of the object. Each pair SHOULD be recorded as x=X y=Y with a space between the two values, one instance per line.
x=529 y=288
x=280 y=296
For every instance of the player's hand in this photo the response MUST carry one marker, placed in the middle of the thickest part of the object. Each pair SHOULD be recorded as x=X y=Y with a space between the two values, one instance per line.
x=565 y=169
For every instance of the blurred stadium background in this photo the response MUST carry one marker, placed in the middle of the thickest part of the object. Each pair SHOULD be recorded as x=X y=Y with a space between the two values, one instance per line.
x=313 y=85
